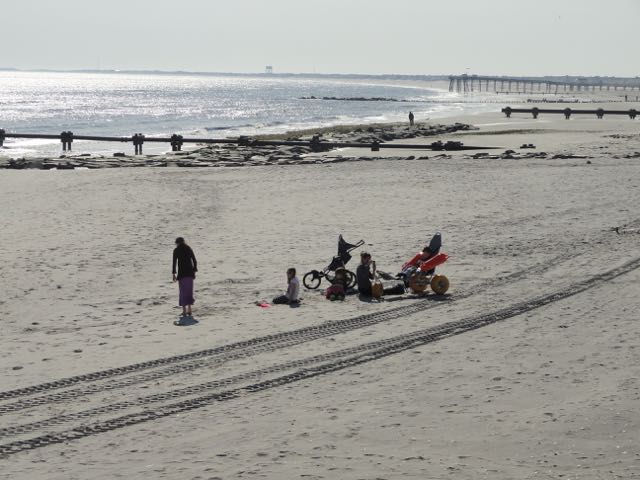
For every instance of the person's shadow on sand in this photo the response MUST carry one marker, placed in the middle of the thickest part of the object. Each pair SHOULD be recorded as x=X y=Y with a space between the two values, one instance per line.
x=186 y=322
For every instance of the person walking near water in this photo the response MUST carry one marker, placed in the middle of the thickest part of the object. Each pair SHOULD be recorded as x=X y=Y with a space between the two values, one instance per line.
x=187 y=264
x=411 y=119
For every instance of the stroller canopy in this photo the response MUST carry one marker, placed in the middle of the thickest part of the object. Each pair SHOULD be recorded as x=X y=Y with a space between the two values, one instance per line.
x=343 y=256
x=346 y=247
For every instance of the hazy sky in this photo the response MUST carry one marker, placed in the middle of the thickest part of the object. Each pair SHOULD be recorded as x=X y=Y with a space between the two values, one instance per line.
x=509 y=37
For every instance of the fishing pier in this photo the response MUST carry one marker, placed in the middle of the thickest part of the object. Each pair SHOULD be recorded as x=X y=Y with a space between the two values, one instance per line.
x=480 y=83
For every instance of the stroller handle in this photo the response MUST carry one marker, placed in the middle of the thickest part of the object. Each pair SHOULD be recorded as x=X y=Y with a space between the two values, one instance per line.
x=357 y=245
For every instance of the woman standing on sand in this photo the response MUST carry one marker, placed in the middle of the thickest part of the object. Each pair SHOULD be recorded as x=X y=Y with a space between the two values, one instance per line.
x=187 y=267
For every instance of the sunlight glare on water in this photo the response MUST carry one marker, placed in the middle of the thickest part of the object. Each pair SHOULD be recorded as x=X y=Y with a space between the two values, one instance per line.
x=116 y=104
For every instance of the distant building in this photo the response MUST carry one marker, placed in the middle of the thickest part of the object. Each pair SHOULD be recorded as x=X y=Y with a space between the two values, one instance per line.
x=268 y=69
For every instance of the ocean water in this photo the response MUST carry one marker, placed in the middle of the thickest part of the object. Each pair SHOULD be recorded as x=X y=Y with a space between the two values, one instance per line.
x=197 y=105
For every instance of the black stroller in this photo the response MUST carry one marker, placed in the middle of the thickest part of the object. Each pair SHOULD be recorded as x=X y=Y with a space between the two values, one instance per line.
x=312 y=279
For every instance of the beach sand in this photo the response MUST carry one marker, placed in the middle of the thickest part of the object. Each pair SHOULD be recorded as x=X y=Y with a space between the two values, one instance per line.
x=549 y=390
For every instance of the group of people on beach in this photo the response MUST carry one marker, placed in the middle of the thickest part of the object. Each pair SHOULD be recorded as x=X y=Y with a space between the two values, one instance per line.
x=366 y=280
x=185 y=266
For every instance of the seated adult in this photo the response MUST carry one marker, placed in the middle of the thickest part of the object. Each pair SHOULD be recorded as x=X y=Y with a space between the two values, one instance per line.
x=414 y=264
x=426 y=254
x=364 y=274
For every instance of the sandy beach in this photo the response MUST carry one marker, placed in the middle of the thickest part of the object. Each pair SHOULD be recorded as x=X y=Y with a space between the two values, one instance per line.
x=539 y=377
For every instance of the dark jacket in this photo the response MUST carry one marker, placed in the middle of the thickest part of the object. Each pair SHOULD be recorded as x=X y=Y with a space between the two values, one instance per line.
x=185 y=259
x=363 y=277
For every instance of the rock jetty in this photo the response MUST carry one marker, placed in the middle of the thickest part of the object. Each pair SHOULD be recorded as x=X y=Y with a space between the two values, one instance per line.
x=247 y=154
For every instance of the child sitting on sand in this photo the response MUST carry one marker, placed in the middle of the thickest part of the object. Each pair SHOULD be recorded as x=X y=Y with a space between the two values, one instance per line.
x=338 y=288
x=293 y=290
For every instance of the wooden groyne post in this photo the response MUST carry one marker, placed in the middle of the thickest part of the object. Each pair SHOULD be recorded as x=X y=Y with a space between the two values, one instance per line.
x=177 y=141
x=567 y=112
x=67 y=139
x=138 y=141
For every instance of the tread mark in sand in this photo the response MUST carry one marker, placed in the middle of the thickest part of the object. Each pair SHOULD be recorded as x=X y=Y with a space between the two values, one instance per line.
x=390 y=347
x=243 y=348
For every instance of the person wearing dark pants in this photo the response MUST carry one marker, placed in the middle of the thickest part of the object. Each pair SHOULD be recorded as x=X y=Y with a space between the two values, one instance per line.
x=293 y=290
x=365 y=273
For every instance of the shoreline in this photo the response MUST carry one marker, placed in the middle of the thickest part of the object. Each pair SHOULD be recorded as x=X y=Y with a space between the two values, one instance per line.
x=435 y=109
x=231 y=155
x=512 y=135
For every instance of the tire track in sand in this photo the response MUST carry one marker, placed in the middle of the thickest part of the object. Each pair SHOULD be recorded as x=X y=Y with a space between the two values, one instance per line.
x=371 y=351
x=216 y=356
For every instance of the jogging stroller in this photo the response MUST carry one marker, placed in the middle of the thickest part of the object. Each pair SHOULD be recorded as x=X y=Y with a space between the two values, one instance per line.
x=312 y=279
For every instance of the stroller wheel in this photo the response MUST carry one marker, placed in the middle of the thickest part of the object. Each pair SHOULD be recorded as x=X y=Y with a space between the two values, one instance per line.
x=440 y=284
x=418 y=282
x=351 y=279
x=312 y=280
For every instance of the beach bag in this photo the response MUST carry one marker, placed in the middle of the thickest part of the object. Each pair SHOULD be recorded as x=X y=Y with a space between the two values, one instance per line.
x=377 y=290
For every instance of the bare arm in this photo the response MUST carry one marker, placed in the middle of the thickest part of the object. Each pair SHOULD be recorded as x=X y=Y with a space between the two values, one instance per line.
x=195 y=262
x=173 y=264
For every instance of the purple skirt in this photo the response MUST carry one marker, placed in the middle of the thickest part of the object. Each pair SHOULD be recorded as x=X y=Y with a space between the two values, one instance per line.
x=186 y=291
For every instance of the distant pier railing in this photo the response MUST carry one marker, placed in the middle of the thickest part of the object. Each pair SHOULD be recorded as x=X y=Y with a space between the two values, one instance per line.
x=475 y=83
x=567 y=112
x=177 y=141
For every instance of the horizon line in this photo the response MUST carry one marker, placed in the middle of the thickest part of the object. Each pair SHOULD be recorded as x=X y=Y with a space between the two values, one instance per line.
x=291 y=74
